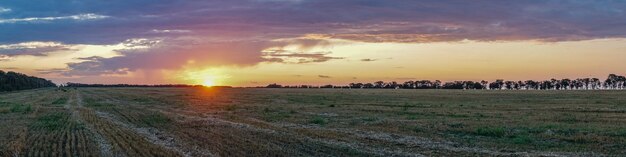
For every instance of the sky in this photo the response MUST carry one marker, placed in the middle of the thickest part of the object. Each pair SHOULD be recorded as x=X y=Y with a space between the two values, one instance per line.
x=315 y=42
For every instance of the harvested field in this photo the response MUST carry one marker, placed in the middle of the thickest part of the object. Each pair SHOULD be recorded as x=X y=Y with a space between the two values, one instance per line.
x=311 y=122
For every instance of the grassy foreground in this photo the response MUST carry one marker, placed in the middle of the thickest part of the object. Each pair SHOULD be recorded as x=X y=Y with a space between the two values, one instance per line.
x=311 y=122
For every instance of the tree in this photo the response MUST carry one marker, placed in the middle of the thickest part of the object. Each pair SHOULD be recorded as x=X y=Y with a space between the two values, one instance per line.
x=484 y=84
x=565 y=83
x=11 y=81
x=368 y=85
x=379 y=84
x=274 y=85
x=408 y=85
x=595 y=83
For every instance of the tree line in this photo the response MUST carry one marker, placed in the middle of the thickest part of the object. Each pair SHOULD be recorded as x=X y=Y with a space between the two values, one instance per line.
x=71 y=84
x=12 y=81
x=613 y=81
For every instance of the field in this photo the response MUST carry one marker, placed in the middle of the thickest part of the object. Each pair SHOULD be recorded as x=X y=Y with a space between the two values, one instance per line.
x=311 y=122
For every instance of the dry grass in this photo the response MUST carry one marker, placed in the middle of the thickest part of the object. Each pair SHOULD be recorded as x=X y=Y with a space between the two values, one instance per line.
x=311 y=122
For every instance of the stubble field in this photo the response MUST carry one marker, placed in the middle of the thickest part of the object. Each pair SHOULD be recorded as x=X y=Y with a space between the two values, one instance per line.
x=311 y=122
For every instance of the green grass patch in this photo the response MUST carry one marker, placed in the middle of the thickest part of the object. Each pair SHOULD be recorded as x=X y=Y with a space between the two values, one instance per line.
x=618 y=133
x=370 y=119
x=51 y=121
x=155 y=119
x=18 y=108
x=230 y=108
x=60 y=101
x=270 y=115
x=568 y=118
x=456 y=125
x=522 y=139
x=318 y=121
x=414 y=128
x=490 y=131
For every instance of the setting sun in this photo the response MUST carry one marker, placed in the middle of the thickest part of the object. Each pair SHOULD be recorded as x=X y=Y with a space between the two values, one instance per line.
x=208 y=83
x=206 y=77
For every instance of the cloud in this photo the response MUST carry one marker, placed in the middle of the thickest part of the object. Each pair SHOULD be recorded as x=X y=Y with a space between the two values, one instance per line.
x=303 y=43
x=32 y=48
x=171 y=31
x=284 y=56
x=10 y=68
x=367 y=21
x=92 y=67
x=4 y=57
x=79 y=17
x=4 y=10
x=172 y=54
x=368 y=60
x=51 y=71
x=166 y=34
x=323 y=76
x=169 y=55
x=140 y=43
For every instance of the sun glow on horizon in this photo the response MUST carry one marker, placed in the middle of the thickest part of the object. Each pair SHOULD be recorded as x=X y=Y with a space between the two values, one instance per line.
x=206 y=77
x=208 y=83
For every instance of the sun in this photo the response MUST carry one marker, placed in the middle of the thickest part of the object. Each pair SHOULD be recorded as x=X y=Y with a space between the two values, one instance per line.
x=208 y=83
x=208 y=77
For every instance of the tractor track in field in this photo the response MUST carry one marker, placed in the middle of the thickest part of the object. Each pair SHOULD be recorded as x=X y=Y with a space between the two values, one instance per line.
x=412 y=141
x=286 y=129
x=409 y=141
x=153 y=135
x=104 y=145
x=211 y=121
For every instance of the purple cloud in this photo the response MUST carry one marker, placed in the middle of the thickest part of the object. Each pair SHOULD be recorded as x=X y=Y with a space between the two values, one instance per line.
x=32 y=48
x=236 y=32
